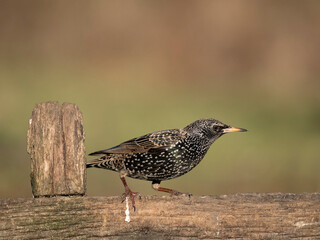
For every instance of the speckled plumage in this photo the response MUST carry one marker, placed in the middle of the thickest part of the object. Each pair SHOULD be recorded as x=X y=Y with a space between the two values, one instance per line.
x=162 y=155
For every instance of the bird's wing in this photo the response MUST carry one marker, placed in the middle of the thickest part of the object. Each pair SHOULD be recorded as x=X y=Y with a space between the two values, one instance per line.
x=156 y=140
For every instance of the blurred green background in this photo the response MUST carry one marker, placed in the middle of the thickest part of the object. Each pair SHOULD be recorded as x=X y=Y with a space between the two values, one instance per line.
x=135 y=67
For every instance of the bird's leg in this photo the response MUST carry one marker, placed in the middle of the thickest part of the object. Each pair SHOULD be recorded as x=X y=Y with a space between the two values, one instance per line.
x=128 y=192
x=156 y=186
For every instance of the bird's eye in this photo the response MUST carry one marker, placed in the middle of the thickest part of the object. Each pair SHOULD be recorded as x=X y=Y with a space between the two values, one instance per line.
x=217 y=128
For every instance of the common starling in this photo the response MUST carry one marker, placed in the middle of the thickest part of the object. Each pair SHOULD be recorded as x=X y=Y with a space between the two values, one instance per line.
x=162 y=155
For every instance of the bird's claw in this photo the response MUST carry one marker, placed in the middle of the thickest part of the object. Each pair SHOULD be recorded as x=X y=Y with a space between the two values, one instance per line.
x=176 y=193
x=130 y=194
x=189 y=195
x=134 y=194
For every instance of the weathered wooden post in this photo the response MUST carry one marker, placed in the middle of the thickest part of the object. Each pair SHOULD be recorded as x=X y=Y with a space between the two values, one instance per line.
x=56 y=146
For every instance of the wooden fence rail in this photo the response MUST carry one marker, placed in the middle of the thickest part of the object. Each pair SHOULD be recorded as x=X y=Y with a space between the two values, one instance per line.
x=59 y=209
x=239 y=216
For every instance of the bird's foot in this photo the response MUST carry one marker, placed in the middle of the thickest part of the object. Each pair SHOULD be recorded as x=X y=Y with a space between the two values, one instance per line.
x=176 y=193
x=129 y=193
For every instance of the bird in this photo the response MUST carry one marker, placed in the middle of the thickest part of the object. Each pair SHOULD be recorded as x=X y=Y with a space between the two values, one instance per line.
x=161 y=155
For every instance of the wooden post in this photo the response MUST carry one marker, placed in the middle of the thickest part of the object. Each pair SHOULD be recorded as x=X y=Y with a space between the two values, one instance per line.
x=56 y=146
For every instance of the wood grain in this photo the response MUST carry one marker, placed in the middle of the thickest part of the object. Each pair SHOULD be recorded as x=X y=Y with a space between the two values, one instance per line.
x=239 y=216
x=55 y=143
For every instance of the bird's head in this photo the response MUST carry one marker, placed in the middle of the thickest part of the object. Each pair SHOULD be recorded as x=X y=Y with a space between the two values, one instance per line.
x=211 y=128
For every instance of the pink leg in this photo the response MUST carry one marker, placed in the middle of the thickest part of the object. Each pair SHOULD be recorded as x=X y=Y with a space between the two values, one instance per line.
x=128 y=192
x=156 y=186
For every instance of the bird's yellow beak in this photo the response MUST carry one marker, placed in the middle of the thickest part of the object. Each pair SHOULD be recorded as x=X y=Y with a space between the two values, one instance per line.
x=234 y=129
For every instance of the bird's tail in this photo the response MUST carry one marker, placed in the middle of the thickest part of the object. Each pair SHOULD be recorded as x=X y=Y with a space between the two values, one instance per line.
x=91 y=164
x=96 y=163
x=101 y=163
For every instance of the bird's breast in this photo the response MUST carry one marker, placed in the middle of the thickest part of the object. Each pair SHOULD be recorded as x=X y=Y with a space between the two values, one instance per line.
x=164 y=163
